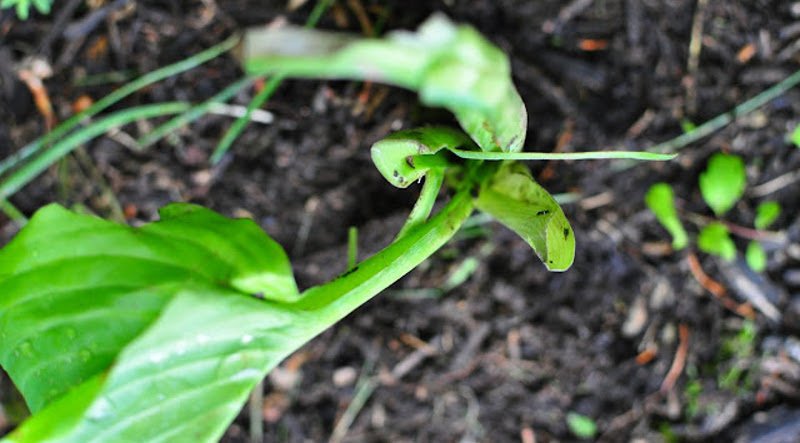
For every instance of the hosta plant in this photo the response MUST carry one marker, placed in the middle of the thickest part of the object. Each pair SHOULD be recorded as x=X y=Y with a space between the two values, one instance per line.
x=158 y=333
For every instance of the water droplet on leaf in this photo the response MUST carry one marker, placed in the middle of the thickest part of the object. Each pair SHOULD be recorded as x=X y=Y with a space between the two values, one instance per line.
x=101 y=409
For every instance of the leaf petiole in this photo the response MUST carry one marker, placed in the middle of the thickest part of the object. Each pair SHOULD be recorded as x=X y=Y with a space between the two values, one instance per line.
x=337 y=298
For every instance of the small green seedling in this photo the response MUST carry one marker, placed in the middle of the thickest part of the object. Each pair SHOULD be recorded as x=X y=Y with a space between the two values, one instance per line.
x=795 y=137
x=581 y=426
x=661 y=200
x=722 y=185
x=736 y=350
x=158 y=333
x=23 y=7
x=715 y=238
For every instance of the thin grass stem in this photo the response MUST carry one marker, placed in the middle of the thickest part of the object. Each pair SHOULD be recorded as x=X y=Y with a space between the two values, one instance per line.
x=159 y=74
x=22 y=176
x=193 y=114
x=593 y=155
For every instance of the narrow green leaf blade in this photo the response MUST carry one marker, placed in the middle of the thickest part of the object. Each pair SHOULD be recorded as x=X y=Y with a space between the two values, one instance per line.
x=766 y=213
x=74 y=289
x=714 y=239
x=723 y=182
x=660 y=199
x=521 y=204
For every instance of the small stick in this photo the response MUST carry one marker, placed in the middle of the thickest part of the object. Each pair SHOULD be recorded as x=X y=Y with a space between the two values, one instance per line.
x=695 y=45
x=255 y=410
x=779 y=238
x=363 y=18
x=775 y=184
x=680 y=359
x=716 y=289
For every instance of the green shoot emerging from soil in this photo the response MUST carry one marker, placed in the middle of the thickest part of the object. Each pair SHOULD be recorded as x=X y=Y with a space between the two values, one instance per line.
x=23 y=7
x=722 y=185
x=115 y=333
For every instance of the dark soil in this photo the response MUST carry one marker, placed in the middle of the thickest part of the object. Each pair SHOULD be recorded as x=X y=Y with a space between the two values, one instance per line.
x=507 y=354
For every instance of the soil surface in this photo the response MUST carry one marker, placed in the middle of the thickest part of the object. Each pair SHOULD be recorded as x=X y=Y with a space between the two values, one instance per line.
x=635 y=336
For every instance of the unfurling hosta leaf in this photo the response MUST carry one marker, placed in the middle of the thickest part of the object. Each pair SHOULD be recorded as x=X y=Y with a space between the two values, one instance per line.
x=152 y=332
x=451 y=66
x=714 y=239
x=660 y=200
x=518 y=202
x=394 y=155
x=766 y=213
x=723 y=182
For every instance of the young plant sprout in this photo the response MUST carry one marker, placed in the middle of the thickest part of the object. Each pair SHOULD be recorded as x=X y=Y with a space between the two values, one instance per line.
x=722 y=185
x=152 y=333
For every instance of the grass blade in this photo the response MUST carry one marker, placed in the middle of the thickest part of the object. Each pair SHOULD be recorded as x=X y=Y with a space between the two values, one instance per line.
x=126 y=90
x=593 y=155
x=193 y=114
x=22 y=176
x=238 y=126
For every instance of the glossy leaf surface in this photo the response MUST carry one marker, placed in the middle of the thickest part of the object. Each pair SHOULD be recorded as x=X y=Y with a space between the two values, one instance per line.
x=168 y=308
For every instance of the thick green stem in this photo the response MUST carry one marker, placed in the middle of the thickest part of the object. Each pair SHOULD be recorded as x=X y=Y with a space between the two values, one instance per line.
x=334 y=300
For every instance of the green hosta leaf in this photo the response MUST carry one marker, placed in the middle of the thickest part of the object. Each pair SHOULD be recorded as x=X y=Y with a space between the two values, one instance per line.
x=756 y=257
x=766 y=213
x=723 y=182
x=451 y=66
x=714 y=239
x=517 y=201
x=78 y=293
x=660 y=200
x=184 y=378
